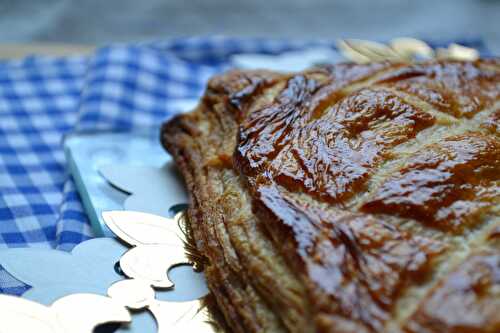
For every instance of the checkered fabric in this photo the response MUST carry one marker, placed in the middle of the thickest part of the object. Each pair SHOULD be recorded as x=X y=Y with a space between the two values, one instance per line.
x=123 y=87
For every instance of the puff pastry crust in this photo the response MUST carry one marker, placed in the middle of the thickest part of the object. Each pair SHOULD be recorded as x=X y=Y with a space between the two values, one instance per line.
x=348 y=198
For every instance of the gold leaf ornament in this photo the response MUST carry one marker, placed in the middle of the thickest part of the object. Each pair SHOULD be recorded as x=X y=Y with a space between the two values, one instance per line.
x=458 y=52
x=411 y=48
x=152 y=262
x=170 y=316
x=367 y=51
x=138 y=228
x=134 y=294
x=77 y=313
x=182 y=317
x=401 y=50
x=158 y=245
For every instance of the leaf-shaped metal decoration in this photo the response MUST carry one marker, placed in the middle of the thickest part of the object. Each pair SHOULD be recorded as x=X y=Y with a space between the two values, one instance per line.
x=401 y=50
x=20 y=315
x=134 y=294
x=155 y=245
x=366 y=51
x=81 y=313
x=352 y=53
x=158 y=245
x=182 y=317
x=78 y=313
x=138 y=228
x=170 y=317
x=458 y=52
x=152 y=262
x=411 y=48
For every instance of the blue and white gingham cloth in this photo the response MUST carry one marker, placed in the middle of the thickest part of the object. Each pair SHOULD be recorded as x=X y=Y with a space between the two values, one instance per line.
x=122 y=87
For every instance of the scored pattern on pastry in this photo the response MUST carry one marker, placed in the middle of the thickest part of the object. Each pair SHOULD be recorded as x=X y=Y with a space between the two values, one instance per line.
x=350 y=198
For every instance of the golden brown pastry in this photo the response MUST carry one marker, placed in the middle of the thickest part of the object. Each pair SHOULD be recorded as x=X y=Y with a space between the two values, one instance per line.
x=348 y=199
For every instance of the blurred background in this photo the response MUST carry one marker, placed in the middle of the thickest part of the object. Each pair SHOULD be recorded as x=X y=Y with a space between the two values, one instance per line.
x=97 y=22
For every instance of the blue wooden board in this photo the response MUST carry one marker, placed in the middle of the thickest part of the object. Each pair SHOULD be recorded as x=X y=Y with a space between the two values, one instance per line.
x=134 y=163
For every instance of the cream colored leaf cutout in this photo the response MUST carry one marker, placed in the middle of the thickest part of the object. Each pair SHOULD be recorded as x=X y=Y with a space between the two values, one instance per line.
x=137 y=228
x=78 y=313
x=170 y=316
x=401 y=50
x=352 y=53
x=159 y=245
x=152 y=262
x=458 y=52
x=81 y=313
x=181 y=317
x=134 y=294
x=20 y=315
x=367 y=51
x=409 y=48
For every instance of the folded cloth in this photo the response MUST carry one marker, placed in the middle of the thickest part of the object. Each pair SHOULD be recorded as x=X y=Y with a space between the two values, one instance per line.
x=122 y=87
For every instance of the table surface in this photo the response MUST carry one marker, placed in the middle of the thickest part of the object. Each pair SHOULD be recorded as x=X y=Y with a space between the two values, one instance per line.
x=13 y=51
